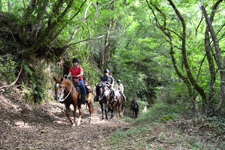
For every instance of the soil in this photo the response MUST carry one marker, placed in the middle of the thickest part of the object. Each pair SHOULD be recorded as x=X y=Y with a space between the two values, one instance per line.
x=45 y=126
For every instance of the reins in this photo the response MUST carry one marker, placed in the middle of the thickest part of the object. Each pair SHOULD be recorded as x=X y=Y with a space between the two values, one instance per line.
x=62 y=100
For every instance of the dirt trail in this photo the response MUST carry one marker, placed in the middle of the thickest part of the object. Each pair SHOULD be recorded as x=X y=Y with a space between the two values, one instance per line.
x=45 y=126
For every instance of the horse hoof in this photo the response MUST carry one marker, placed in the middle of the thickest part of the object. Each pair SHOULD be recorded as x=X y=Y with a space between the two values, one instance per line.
x=73 y=125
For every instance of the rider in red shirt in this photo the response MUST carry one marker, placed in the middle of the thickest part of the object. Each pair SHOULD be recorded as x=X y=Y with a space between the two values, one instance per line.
x=77 y=72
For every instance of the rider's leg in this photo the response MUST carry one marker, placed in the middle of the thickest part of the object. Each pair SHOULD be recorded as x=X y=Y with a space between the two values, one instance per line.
x=84 y=90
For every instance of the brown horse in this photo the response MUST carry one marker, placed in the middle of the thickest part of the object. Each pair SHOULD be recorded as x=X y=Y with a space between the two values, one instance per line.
x=66 y=93
x=119 y=104
x=104 y=96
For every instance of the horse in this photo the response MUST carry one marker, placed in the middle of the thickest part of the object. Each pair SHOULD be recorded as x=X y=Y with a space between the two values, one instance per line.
x=135 y=108
x=119 y=104
x=66 y=93
x=104 y=96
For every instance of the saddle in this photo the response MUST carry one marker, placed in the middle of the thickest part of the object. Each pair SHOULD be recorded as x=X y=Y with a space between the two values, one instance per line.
x=88 y=88
x=77 y=85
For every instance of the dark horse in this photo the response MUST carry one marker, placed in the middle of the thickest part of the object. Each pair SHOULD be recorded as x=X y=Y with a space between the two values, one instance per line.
x=119 y=104
x=135 y=108
x=104 y=96
x=66 y=93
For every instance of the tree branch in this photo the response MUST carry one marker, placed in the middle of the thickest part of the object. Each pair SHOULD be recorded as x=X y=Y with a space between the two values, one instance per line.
x=84 y=41
x=7 y=86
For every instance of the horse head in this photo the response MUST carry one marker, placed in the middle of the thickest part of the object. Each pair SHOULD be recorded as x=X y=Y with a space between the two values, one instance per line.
x=99 y=92
x=59 y=88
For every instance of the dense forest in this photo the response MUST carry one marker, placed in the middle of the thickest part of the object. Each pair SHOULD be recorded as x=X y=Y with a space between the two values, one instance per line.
x=169 y=53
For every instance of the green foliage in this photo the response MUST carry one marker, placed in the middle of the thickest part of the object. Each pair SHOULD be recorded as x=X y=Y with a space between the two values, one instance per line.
x=217 y=124
x=127 y=119
x=159 y=112
x=90 y=74
x=26 y=68
x=8 y=68
x=124 y=139
x=36 y=89
x=138 y=52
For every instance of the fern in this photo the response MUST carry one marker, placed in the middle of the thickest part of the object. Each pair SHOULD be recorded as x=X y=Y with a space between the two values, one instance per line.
x=30 y=72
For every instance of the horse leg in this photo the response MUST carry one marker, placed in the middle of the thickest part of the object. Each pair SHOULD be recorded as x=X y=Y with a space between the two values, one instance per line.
x=90 y=109
x=102 y=111
x=116 y=109
x=106 y=110
x=67 y=114
x=120 y=109
x=80 y=113
x=111 y=112
x=136 y=114
x=74 y=114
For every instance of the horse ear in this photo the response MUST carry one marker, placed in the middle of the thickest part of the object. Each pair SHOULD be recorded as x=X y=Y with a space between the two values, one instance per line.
x=61 y=79
x=54 y=78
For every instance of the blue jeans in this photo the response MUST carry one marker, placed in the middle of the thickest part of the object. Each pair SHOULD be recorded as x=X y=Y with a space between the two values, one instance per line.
x=83 y=87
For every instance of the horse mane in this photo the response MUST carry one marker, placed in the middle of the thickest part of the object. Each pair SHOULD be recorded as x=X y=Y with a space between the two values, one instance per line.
x=69 y=83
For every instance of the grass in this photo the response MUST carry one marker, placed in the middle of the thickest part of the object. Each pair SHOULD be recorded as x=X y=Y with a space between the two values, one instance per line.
x=155 y=130
x=159 y=112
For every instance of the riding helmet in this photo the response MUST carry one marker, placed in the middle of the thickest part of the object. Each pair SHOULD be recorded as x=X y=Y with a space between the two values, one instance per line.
x=106 y=71
x=118 y=81
x=75 y=60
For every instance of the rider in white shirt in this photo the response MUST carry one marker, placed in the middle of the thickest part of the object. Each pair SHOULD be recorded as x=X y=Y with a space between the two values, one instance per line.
x=119 y=87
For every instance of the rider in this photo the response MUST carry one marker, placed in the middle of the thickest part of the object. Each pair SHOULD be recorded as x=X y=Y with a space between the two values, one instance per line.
x=77 y=72
x=108 y=79
x=120 y=88
x=134 y=101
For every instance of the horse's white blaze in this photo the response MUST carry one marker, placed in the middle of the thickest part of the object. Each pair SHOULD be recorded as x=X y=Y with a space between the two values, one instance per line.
x=57 y=85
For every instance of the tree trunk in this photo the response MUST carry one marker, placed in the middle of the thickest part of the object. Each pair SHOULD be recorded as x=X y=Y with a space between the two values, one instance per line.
x=180 y=75
x=184 y=53
x=212 y=71
x=219 y=59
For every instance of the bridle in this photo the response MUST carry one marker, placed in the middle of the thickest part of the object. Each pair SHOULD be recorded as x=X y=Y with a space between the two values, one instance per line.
x=60 y=93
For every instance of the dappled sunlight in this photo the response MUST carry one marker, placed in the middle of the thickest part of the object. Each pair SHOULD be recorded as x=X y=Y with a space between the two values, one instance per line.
x=23 y=125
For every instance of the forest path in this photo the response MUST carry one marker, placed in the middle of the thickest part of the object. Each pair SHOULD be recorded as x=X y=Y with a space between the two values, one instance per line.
x=46 y=126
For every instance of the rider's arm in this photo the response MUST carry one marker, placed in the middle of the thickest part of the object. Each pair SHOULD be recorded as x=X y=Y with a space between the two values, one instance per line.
x=122 y=88
x=81 y=74
x=69 y=75
x=112 y=82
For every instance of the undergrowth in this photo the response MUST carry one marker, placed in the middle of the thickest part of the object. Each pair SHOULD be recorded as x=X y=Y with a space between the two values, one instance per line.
x=159 y=112
x=156 y=130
